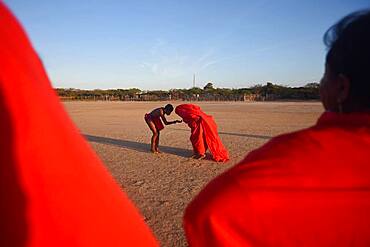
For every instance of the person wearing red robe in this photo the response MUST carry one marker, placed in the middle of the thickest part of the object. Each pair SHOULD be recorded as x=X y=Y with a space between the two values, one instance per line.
x=54 y=191
x=310 y=187
x=204 y=134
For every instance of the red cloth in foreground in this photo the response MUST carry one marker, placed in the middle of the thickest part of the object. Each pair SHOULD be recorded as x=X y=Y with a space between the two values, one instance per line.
x=156 y=120
x=203 y=131
x=54 y=191
x=308 y=188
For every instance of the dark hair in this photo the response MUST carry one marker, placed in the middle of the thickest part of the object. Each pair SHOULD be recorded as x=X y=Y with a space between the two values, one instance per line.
x=168 y=107
x=348 y=42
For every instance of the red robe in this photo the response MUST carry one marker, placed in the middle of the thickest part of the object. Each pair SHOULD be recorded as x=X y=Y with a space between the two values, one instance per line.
x=308 y=188
x=54 y=191
x=203 y=131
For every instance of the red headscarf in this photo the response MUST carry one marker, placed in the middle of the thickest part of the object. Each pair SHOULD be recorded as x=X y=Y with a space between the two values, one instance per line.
x=54 y=191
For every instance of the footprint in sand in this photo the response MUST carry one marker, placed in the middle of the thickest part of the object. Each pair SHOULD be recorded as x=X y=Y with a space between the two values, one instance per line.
x=138 y=183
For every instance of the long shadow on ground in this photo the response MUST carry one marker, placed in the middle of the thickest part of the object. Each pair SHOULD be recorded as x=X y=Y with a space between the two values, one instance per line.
x=246 y=135
x=235 y=134
x=137 y=146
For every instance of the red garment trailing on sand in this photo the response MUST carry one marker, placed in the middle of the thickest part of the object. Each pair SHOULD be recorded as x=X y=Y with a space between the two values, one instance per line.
x=308 y=188
x=54 y=191
x=156 y=120
x=203 y=131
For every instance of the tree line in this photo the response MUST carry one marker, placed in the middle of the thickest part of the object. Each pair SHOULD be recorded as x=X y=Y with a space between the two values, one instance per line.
x=267 y=92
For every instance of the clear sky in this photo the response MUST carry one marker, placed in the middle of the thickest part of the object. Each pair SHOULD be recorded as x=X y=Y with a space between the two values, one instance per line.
x=159 y=44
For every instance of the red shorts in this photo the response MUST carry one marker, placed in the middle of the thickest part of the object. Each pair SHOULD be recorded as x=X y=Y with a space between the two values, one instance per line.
x=157 y=121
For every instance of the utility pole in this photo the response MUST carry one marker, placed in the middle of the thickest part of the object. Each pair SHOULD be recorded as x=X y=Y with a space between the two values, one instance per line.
x=193 y=80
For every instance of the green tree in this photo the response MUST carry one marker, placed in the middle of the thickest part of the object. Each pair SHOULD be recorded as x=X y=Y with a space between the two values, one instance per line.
x=208 y=86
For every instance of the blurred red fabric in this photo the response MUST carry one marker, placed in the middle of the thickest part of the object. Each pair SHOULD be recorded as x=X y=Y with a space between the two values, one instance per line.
x=54 y=190
x=308 y=188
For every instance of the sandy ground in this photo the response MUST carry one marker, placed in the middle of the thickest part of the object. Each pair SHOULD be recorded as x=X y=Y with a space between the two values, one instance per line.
x=162 y=185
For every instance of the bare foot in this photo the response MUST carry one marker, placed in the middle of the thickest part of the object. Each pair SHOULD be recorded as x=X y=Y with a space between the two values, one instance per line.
x=158 y=151
x=153 y=151
x=199 y=156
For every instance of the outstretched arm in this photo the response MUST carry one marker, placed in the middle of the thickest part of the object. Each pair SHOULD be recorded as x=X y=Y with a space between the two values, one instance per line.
x=168 y=122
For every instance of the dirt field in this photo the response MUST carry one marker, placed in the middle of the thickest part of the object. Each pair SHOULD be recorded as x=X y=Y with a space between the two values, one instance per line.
x=162 y=185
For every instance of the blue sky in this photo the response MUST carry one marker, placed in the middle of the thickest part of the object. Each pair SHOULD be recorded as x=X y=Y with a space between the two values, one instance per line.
x=159 y=44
